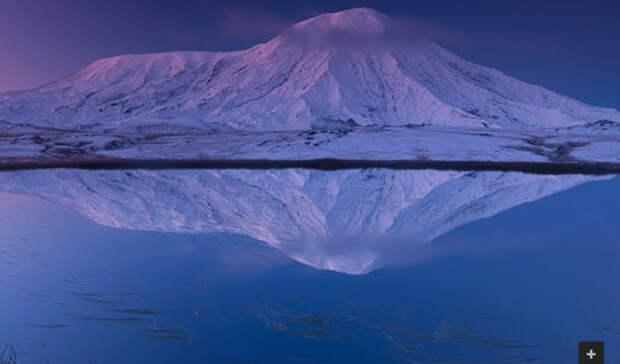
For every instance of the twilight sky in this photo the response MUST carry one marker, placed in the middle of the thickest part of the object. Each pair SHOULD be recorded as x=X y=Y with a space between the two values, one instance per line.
x=569 y=46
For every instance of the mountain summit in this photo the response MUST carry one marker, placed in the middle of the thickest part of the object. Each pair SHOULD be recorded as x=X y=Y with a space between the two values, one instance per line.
x=362 y=24
x=354 y=67
x=357 y=20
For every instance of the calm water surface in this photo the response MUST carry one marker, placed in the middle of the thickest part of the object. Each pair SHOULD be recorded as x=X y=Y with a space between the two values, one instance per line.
x=521 y=287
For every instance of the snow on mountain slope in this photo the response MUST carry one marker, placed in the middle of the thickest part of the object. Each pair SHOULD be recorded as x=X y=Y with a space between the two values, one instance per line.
x=354 y=67
x=341 y=220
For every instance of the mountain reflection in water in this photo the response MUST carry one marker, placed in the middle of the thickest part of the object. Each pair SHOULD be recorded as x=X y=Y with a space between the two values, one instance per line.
x=347 y=221
x=162 y=278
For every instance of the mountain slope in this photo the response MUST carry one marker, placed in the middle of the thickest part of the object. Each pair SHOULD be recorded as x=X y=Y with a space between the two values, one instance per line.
x=353 y=67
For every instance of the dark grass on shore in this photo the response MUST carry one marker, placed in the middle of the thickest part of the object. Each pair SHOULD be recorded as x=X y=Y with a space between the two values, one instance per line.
x=552 y=168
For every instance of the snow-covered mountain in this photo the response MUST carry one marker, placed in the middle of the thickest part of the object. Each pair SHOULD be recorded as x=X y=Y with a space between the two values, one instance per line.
x=356 y=67
x=353 y=67
x=343 y=220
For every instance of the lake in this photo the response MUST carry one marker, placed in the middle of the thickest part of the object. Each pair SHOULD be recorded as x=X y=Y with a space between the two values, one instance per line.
x=520 y=273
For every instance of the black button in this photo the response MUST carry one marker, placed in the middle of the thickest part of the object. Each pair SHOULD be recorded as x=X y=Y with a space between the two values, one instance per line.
x=591 y=352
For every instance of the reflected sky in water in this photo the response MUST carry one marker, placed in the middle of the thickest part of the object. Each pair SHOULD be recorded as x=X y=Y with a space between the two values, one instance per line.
x=521 y=287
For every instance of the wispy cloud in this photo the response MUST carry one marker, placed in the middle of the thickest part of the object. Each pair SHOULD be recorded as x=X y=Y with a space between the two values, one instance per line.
x=469 y=39
x=248 y=24
x=236 y=26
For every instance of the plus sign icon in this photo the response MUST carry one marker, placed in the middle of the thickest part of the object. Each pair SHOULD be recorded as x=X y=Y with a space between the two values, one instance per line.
x=591 y=352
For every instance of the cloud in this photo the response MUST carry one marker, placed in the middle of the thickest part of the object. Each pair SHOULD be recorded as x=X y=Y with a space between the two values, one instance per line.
x=471 y=39
x=365 y=253
x=401 y=31
x=361 y=254
x=235 y=26
x=251 y=22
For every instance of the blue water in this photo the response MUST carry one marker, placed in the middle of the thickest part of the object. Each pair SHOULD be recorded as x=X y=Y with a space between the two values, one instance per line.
x=521 y=287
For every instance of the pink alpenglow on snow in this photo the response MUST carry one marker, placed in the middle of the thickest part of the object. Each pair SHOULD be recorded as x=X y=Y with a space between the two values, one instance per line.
x=354 y=67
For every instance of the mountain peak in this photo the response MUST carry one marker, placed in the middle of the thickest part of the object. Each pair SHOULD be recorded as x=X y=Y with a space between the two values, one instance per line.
x=364 y=21
x=355 y=18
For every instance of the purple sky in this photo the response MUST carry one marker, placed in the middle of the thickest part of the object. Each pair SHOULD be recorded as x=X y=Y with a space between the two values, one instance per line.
x=569 y=46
